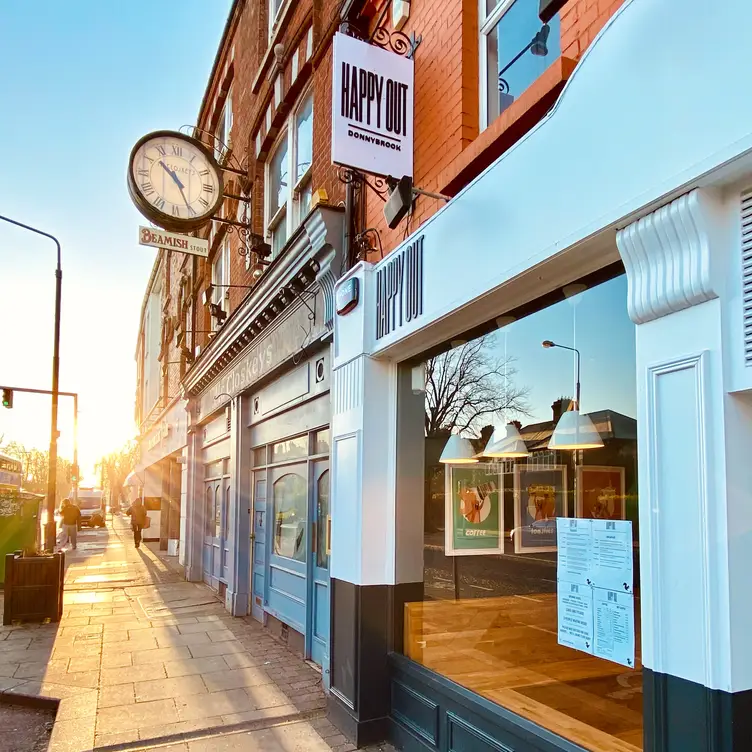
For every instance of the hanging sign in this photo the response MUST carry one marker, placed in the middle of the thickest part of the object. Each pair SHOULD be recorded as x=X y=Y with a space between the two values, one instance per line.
x=171 y=241
x=372 y=108
x=474 y=520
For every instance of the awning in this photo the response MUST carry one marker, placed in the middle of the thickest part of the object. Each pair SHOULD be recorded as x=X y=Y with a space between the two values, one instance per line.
x=135 y=478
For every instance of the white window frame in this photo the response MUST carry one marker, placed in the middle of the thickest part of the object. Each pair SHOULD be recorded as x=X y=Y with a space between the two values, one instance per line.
x=223 y=129
x=220 y=294
x=293 y=211
x=274 y=17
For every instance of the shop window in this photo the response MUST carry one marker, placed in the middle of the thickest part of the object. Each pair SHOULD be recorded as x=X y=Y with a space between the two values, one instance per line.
x=209 y=512
x=514 y=51
x=259 y=456
x=290 y=449
x=323 y=527
x=289 y=177
x=321 y=442
x=497 y=605
x=214 y=470
x=290 y=499
x=218 y=513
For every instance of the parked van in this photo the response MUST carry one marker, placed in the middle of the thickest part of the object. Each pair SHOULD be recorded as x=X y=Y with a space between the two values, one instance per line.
x=92 y=505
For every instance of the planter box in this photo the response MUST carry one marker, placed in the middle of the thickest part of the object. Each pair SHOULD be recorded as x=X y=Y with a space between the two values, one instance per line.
x=33 y=587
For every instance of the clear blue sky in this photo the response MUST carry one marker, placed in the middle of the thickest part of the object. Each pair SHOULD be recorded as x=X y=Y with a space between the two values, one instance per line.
x=80 y=82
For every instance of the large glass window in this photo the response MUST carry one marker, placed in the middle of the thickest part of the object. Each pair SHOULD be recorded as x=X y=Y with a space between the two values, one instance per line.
x=510 y=454
x=324 y=521
x=515 y=50
x=288 y=177
x=290 y=499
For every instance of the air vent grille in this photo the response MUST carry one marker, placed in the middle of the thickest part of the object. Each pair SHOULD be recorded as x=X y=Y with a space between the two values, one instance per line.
x=746 y=228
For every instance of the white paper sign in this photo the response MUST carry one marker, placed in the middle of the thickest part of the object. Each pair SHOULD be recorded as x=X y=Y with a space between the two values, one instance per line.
x=614 y=626
x=372 y=108
x=595 y=603
x=575 y=615
x=574 y=549
x=612 y=555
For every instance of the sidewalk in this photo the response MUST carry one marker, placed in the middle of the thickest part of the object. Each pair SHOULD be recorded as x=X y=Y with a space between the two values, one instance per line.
x=143 y=659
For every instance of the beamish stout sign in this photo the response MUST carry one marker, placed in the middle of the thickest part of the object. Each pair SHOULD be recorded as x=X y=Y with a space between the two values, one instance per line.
x=372 y=108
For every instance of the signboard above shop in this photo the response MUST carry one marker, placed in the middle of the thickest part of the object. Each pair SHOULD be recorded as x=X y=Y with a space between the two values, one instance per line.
x=372 y=108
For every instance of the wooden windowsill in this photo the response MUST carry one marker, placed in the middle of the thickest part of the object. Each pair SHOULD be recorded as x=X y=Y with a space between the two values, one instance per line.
x=508 y=128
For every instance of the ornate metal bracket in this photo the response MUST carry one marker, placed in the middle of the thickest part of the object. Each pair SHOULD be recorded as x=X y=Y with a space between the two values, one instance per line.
x=358 y=179
x=381 y=36
x=226 y=159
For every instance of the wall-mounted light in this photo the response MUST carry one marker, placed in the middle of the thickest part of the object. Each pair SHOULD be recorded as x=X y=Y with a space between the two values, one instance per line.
x=574 y=430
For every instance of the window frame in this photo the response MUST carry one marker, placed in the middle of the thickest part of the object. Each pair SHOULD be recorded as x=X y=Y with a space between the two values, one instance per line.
x=220 y=291
x=223 y=128
x=292 y=211
x=487 y=21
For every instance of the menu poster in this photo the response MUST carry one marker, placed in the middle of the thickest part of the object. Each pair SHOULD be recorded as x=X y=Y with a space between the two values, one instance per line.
x=600 y=492
x=594 y=579
x=474 y=519
x=539 y=498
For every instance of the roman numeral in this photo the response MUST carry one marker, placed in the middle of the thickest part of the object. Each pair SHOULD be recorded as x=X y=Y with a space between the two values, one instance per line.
x=190 y=161
x=208 y=187
x=151 y=161
x=191 y=211
x=162 y=151
x=203 y=173
x=159 y=203
x=177 y=150
x=204 y=202
x=175 y=211
x=146 y=188
x=144 y=173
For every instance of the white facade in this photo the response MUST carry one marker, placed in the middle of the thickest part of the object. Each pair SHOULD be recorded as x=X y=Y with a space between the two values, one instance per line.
x=645 y=158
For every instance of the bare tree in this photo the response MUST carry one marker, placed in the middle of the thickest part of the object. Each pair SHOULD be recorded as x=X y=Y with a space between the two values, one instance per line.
x=468 y=386
x=36 y=466
x=115 y=467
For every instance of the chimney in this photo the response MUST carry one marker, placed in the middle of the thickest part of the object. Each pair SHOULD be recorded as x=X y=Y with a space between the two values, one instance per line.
x=560 y=406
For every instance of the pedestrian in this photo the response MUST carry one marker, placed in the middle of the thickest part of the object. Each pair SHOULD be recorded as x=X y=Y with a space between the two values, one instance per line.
x=137 y=514
x=70 y=517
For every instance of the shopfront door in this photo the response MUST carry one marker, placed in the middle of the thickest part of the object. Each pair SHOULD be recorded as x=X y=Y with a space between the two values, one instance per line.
x=216 y=524
x=319 y=595
x=286 y=585
x=258 y=544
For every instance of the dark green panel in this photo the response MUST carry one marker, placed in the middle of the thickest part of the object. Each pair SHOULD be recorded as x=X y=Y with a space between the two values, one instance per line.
x=415 y=711
x=462 y=737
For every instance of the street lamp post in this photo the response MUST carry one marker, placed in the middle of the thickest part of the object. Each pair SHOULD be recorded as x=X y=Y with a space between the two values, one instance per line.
x=49 y=532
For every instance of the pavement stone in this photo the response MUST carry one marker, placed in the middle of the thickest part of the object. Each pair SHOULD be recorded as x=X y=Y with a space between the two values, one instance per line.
x=140 y=655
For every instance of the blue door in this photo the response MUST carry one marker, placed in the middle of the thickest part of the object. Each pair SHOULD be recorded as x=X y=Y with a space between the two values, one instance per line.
x=286 y=585
x=258 y=545
x=319 y=596
x=216 y=528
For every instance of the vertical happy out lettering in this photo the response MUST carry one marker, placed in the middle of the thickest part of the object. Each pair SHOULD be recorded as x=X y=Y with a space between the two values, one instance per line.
x=399 y=289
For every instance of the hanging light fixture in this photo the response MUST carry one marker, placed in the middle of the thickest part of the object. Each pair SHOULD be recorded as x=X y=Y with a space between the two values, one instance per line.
x=510 y=445
x=574 y=430
x=458 y=451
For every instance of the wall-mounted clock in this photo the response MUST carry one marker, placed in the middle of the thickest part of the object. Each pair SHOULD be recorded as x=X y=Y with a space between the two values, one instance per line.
x=174 y=180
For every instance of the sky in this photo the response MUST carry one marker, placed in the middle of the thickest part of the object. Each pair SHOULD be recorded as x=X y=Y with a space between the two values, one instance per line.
x=80 y=82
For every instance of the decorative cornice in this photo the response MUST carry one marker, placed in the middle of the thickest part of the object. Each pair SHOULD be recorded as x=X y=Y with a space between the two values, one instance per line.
x=668 y=257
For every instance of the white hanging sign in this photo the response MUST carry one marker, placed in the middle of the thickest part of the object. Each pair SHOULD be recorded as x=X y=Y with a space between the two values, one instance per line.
x=173 y=241
x=372 y=108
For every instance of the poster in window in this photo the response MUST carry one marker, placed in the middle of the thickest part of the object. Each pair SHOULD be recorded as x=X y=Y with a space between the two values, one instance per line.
x=539 y=498
x=600 y=493
x=473 y=510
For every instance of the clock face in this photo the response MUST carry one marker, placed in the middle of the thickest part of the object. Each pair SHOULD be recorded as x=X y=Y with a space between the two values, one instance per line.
x=174 y=180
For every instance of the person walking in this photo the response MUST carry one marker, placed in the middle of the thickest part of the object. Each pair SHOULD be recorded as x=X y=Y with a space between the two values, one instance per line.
x=137 y=514
x=70 y=517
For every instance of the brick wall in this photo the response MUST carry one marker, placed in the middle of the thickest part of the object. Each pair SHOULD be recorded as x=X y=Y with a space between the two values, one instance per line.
x=447 y=93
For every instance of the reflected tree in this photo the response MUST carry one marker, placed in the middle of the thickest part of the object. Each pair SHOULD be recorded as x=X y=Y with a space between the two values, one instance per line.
x=470 y=385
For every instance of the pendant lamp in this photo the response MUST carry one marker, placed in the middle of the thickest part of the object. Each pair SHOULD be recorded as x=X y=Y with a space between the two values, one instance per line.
x=574 y=430
x=510 y=445
x=458 y=451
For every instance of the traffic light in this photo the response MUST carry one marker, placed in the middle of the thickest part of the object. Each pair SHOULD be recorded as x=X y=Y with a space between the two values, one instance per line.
x=8 y=398
x=74 y=473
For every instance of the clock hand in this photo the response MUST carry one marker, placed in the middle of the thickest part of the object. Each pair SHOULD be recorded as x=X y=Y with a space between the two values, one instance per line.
x=172 y=174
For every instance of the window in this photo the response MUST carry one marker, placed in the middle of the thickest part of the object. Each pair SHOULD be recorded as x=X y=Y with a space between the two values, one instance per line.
x=290 y=449
x=488 y=618
x=221 y=278
x=275 y=6
x=514 y=51
x=324 y=521
x=218 y=513
x=290 y=516
x=224 y=128
x=288 y=177
x=209 y=513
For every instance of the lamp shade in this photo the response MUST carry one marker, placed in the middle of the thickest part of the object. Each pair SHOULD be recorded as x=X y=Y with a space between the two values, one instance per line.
x=510 y=445
x=575 y=431
x=458 y=451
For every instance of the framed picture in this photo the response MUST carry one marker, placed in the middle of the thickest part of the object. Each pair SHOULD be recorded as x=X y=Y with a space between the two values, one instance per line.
x=600 y=493
x=539 y=498
x=474 y=519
